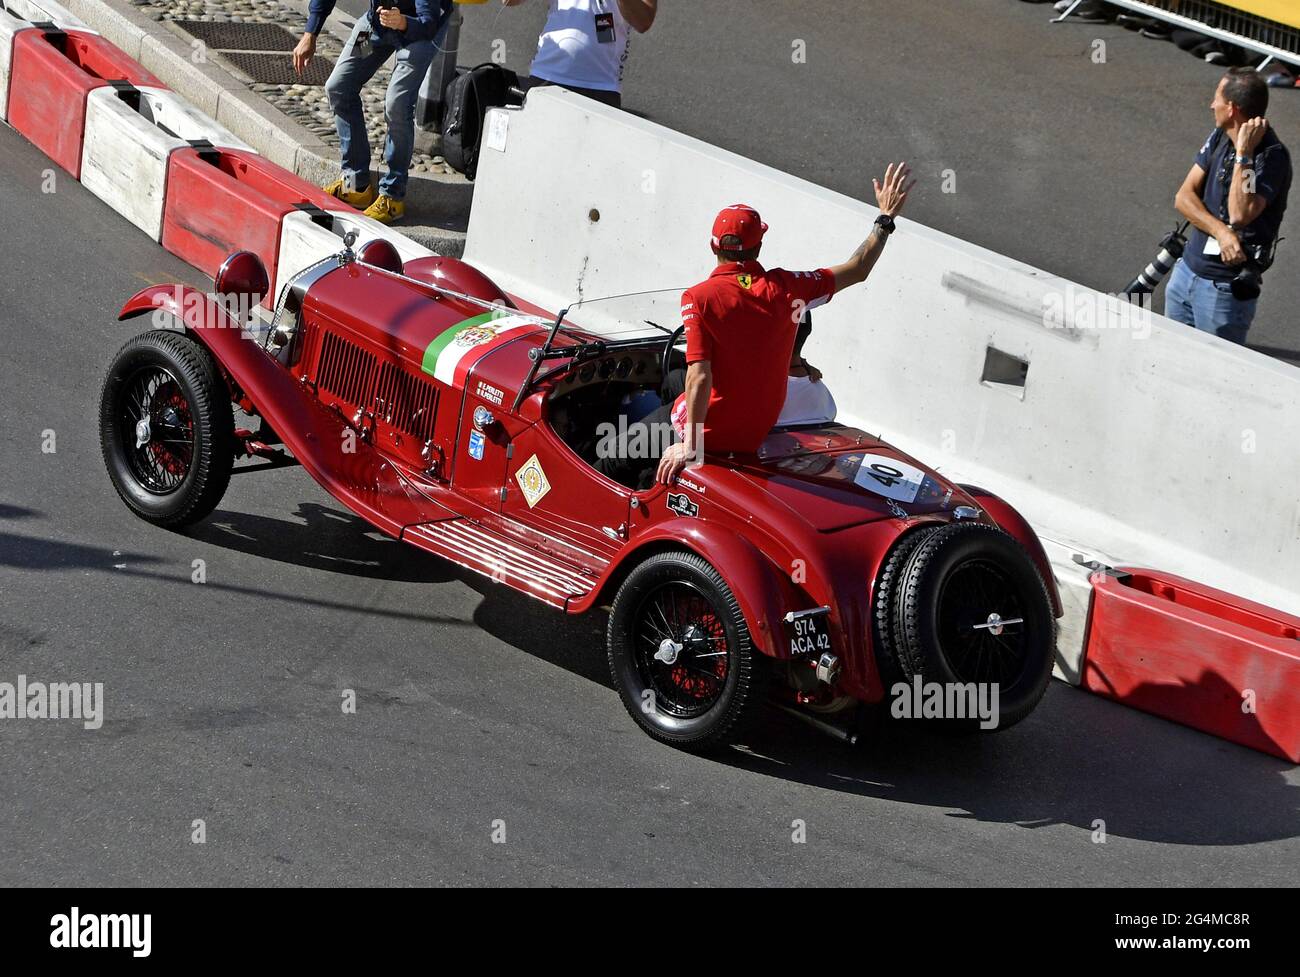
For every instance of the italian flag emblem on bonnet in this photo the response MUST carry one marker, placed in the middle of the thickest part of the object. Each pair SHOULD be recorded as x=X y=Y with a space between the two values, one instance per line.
x=450 y=357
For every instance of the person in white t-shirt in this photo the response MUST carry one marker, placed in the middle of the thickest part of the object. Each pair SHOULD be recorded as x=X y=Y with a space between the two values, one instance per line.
x=583 y=46
x=807 y=399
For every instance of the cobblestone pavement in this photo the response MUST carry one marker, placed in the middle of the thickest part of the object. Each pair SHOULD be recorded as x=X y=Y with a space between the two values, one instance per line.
x=305 y=104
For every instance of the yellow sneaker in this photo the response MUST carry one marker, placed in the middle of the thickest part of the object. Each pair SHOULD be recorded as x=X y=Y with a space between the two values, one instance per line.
x=386 y=209
x=360 y=199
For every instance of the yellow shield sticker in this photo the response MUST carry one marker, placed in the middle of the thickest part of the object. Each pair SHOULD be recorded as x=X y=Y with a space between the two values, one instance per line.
x=745 y=280
x=532 y=481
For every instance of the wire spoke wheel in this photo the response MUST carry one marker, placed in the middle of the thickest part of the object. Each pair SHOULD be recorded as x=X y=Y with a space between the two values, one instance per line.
x=963 y=604
x=680 y=653
x=166 y=428
x=981 y=624
x=681 y=649
x=156 y=425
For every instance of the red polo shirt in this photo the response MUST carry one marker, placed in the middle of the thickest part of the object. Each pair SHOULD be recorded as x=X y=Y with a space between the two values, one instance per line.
x=743 y=321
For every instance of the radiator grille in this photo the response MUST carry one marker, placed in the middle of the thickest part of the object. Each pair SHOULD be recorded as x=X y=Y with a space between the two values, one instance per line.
x=406 y=402
x=345 y=369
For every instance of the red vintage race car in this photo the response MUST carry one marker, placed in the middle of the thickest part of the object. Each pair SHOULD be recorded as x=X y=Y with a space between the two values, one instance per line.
x=819 y=572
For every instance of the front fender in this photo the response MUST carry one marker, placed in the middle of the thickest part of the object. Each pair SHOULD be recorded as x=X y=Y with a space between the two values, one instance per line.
x=330 y=450
x=1010 y=519
x=763 y=593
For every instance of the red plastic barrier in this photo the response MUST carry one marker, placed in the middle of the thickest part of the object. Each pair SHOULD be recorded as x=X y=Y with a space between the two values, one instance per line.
x=224 y=200
x=49 y=77
x=1198 y=656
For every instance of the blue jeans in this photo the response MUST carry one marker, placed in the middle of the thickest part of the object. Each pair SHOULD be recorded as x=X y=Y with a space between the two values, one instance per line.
x=1208 y=305
x=360 y=59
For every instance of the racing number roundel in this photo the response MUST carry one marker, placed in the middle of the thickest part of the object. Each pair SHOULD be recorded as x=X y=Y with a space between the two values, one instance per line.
x=890 y=477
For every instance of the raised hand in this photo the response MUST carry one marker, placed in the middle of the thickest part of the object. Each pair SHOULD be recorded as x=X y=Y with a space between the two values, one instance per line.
x=891 y=194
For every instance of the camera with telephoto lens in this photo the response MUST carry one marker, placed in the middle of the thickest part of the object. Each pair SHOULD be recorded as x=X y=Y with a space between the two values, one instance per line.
x=1149 y=279
x=1248 y=280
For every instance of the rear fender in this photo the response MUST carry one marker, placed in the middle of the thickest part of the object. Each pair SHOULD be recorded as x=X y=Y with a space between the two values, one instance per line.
x=763 y=593
x=1007 y=517
x=330 y=449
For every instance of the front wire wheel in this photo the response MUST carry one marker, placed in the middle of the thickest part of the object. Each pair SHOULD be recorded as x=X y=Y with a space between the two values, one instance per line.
x=166 y=428
x=680 y=654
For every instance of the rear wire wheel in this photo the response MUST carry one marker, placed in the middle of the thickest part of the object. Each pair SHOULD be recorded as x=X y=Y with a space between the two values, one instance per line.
x=681 y=656
x=166 y=428
x=971 y=609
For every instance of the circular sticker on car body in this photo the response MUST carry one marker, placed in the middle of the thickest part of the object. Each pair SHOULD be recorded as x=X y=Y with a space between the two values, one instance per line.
x=889 y=477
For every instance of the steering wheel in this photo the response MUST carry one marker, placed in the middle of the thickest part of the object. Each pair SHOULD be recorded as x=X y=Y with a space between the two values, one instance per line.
x=666 y=361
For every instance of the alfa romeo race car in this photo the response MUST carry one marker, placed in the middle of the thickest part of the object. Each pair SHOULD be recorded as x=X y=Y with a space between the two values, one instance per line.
x=818 y=572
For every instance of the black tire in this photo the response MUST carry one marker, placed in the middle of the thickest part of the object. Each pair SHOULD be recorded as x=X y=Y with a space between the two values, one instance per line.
x=944 y=627
x=892 y=668
x=174 y=481
x=688 y=702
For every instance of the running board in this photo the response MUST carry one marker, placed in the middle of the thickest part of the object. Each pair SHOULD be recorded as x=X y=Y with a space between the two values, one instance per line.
x=470 y=545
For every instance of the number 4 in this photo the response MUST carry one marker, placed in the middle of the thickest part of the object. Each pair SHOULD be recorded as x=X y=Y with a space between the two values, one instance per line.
x=889 y=477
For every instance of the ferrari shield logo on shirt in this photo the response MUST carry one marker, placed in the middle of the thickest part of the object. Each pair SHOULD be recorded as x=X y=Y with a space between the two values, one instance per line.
x=532 y=481
x=745 y=280
x=449 y=357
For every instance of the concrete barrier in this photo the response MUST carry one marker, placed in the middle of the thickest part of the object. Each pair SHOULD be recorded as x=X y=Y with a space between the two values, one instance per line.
x=9 y=25
x=49 y=12
x=306 y=238
x=1124 y=438
x=130 y=134
x=50 y=75
x=222 y=200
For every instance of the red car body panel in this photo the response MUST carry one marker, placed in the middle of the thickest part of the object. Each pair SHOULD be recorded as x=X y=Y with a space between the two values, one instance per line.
x=396 y=369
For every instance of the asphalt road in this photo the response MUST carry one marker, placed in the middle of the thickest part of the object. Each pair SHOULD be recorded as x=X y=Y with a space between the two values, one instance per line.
x=476 y=708
x=1061 y=162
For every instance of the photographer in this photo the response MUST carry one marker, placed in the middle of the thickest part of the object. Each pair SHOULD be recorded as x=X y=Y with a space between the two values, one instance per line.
x=1234 y=197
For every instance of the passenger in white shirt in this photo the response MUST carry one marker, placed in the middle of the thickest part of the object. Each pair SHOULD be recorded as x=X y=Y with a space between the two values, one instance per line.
x=583 y=46
x=807 y=399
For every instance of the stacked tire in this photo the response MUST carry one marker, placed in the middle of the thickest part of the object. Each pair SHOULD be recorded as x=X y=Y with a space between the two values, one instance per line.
x=961 y=603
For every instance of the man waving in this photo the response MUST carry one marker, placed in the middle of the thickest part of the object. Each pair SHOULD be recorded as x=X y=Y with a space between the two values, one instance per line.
x=741 y=324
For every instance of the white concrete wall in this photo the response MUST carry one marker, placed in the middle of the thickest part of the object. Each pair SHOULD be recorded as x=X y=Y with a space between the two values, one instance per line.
x=49 y=11
x=304 y=242
x=124 y=152
x=124 y=160
x=1152 y=444
x=9 y=25
x=166 y=109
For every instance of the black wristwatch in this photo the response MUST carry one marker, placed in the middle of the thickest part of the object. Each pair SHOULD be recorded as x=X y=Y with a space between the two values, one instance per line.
x=885 y=223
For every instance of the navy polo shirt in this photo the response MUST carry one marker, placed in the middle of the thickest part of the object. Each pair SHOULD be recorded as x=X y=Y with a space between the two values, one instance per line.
x=424 y=18
x=1272 y=181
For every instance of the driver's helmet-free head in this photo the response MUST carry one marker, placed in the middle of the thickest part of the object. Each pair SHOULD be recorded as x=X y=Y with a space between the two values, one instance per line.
x=741 y=222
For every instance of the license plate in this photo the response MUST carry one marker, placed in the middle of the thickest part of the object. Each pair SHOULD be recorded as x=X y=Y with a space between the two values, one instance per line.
x=809 y=637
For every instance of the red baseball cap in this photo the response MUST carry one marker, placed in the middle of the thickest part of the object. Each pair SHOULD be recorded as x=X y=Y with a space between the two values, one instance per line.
x=742 y=221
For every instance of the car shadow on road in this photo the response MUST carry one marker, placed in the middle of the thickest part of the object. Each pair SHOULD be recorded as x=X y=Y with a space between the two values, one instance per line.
x=322 y=538
x=575 y=643
x=1078 y=760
